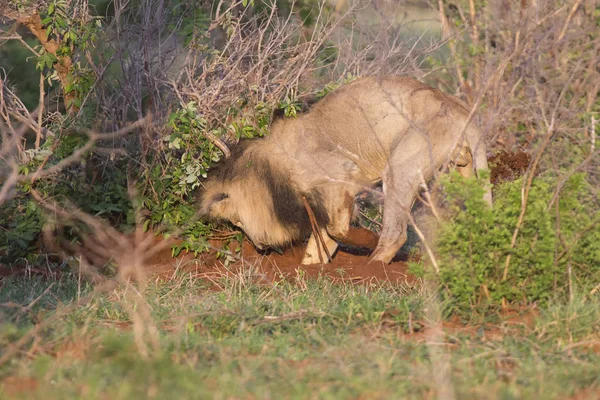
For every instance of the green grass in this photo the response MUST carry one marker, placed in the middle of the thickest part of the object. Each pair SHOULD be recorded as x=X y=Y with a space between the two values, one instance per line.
x=306 y=339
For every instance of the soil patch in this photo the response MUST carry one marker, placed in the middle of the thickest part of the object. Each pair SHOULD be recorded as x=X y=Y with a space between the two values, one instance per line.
x=508 y=165
x=347 y=265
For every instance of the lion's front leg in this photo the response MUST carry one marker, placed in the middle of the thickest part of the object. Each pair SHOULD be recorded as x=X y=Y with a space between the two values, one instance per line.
x=311 y=254
x=399 y=189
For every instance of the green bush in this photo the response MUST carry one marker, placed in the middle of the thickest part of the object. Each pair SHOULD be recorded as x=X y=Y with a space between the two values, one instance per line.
x=103 y=195
x=178 y=167
x=474 y=244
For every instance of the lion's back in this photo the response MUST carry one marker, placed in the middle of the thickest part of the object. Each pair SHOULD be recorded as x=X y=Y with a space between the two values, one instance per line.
x=364 y=121
x=367 y=118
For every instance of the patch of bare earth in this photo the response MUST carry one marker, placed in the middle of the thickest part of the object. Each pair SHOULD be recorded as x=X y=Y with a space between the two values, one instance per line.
x=586 y=394
x=508 y=165
x=510 y=323
x=345 y=266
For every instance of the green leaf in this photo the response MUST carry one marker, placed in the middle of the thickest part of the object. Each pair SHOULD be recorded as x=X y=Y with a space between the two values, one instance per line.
x=191 y=179
x=43 y=154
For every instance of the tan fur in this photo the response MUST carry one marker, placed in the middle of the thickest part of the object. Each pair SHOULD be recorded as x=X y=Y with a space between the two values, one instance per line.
x=391 y=129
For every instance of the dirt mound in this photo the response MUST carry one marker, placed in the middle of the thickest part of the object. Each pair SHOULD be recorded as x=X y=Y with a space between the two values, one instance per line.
x=508 y=165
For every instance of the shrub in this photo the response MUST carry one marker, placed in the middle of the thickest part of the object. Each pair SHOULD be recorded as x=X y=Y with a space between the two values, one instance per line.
x=101 y=194
x=558 y=244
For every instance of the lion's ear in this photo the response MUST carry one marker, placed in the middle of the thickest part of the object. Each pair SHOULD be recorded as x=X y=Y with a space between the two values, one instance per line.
x=219 y=197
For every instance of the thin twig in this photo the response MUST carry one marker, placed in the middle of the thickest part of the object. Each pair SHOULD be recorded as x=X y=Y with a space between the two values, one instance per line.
x=568 y=20
x=19 y=38
x=38 y=132
x=34 y=302
x=428 y=248
x=579 y=167
x=316 y=231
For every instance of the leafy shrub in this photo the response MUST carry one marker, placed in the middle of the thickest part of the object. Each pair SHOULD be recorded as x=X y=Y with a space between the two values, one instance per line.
x=186 y=158
x=103 y=196
x=474 y=244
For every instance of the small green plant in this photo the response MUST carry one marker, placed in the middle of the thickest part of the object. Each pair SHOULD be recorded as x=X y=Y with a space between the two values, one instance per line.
x=290 y=107
x=556 y=248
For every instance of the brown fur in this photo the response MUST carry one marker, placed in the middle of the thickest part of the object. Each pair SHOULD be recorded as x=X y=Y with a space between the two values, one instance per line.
x=391 y=129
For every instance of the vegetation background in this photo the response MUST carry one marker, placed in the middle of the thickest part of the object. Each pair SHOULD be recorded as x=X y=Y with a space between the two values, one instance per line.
x=506 y=304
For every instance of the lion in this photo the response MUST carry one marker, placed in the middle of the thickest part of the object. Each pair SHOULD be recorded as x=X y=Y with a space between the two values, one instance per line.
x=301 y=181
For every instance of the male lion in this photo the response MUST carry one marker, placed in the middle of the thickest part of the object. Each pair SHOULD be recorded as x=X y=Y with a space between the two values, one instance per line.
x=391 y=129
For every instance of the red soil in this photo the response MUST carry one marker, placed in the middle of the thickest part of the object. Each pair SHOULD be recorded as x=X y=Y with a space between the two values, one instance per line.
x=344 y=267
x=349 y=265
x=508 y=165
x=16 y=386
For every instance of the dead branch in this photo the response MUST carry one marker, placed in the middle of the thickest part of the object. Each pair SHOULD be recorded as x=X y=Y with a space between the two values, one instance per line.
x=73 y=158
